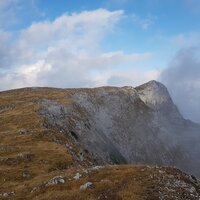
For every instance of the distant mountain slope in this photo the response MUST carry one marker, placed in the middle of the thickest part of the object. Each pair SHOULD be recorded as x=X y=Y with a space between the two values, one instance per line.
x=53 y=139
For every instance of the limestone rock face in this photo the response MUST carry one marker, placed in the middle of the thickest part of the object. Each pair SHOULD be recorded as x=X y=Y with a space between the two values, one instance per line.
x=128 y=125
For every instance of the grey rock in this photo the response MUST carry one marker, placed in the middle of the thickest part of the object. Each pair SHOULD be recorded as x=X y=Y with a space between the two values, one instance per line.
x=86 y=185
x=97 y=167
x=77 y=176
x=7 y=194
x=26 y=174
x=56 y=180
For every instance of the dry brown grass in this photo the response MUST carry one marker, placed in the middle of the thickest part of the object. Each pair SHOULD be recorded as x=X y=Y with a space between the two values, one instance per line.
x=26 y=146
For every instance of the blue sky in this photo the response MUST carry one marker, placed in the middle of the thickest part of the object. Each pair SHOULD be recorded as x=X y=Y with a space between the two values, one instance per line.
x=91 y=43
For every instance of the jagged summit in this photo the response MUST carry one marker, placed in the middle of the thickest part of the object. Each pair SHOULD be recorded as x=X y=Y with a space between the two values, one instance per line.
x=154 y=94
x=154 y=86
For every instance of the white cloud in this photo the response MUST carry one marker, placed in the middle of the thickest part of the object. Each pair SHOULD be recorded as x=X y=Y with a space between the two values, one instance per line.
x=79 y=32
x=86 y=22
x=67 y=52
x=64 y=69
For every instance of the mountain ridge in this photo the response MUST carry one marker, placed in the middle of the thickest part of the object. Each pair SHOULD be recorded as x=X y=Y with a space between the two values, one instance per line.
x=106 y=107
x=50 y=135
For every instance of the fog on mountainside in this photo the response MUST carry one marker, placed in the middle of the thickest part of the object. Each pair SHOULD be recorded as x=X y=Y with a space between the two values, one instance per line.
x=182 y=79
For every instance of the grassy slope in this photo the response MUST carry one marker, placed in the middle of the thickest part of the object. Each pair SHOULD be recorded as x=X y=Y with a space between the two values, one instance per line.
x=31 y=155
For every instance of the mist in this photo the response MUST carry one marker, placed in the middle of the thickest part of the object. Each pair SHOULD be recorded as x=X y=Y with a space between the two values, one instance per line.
x=182 y=78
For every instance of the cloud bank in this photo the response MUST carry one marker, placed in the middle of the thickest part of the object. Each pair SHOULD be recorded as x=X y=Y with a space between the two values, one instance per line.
x=182 y=78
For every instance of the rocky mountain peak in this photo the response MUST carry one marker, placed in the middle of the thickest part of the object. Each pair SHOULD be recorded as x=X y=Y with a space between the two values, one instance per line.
x=154 y=94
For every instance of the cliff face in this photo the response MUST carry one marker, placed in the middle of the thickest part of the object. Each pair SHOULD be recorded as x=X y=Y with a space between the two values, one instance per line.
x=128 y=125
